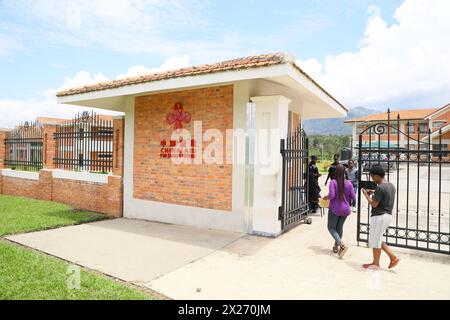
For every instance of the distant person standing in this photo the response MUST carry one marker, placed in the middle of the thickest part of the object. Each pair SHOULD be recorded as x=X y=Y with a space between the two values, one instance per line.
x=332 y=168
x=314 y=188
x=352 y=176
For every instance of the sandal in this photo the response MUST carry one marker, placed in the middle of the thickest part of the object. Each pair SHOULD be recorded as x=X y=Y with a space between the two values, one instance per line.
x=371 y=266
x=335 y=249
x=394 y=263
x=343 y=249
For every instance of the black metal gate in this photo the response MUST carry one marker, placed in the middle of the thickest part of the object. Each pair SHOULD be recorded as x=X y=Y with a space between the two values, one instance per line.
x=418 y=164
x=294 y=203
x=85 y=143
x=23 y=147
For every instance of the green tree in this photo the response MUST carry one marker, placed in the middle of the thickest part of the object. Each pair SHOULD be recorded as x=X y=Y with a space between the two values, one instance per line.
x=331 y=145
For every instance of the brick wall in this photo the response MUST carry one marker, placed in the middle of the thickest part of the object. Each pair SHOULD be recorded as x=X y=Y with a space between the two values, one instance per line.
x=49 y=146
x=2 y=147
x=20 y=187
x=119 y=127
x=159 y=179
x=97 y=197
x=102 y=198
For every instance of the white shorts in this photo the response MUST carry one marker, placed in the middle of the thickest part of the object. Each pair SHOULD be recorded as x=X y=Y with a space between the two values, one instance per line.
x=378 y=226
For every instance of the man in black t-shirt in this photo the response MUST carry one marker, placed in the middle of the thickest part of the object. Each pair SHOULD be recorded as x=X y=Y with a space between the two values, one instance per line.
x=382 y=204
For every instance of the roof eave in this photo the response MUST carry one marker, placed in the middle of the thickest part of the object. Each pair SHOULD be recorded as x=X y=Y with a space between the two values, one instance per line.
x=217 y=78
x=438 y=112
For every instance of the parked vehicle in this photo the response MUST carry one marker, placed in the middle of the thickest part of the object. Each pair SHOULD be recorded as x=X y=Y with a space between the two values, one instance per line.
x=346 y=155
x=368 y=161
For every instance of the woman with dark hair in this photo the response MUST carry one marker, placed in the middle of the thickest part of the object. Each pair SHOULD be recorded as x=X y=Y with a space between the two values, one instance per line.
x=341 y=193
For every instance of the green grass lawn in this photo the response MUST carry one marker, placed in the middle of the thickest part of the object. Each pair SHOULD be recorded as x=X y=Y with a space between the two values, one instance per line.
x=20 y=215
x=28 y=275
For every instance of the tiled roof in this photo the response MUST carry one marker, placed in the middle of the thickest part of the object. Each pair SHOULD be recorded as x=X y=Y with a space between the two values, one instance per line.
x=48 y=120
x=236 y=64
x=444 y=109
x=250 y=62
x=416 y=114
x=437 y=133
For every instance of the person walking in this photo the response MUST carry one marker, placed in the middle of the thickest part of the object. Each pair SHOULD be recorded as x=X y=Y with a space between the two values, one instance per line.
x=314 y=188
x=352 y=176
x=340 y=194
x=382 y=204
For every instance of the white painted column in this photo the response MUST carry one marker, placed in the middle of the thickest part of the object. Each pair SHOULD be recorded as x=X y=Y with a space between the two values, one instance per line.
x=271 y=125
x=402 y=135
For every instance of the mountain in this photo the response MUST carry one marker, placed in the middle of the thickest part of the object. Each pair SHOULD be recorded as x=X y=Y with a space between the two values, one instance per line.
x=336 y=126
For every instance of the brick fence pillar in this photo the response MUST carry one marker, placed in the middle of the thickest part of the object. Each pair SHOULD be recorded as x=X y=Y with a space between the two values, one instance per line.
x=45 y=185
x=114 y=196
x=2 y=148
x=49 y=147
x=118 y=125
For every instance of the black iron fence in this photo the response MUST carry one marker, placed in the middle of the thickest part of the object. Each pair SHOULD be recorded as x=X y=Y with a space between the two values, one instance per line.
x=418 y=164
x=85 y=144
x=294 y=202
x=24 y=147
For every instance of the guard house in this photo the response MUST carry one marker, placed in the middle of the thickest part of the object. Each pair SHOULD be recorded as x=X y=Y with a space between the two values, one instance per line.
x=167 y=177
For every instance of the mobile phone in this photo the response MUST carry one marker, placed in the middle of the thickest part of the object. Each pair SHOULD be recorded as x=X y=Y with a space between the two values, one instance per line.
x=368 y=185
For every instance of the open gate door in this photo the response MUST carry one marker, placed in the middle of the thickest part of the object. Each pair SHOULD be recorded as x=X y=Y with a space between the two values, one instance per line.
x=294 y=203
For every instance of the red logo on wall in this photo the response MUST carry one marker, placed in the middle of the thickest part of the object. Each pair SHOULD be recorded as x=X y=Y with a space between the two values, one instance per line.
x=178 y=117
x=180 y=148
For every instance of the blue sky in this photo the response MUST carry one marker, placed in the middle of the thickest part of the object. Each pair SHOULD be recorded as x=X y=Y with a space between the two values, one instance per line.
x=44 y=45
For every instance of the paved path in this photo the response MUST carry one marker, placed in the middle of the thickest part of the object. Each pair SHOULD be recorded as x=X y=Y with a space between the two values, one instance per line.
x=300 y=265
x=131 y=250
x=190 y=263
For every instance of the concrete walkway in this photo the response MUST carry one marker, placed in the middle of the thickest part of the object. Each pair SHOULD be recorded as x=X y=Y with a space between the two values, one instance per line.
x=300 y=265
x=130 y=250
x=190 y=263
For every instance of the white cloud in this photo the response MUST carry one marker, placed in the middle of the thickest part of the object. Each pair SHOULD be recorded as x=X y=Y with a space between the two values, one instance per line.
x=403 y=65
x=14 y=112
x=172 y=63
x=127 y=26
x=83 y=78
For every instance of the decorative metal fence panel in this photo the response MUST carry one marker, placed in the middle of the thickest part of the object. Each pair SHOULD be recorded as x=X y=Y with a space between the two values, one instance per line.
x=24 y=147
x=85 y=144
x=419 y=167
x=294 y=204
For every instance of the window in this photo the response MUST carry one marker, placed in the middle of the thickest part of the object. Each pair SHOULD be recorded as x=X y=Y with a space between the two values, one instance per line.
x=410 y=128
x=440 y=147
x=105 y=155
x=102 y=133
x=423 y=128
x=438 y=124
x=394 y=129
x=424 y=147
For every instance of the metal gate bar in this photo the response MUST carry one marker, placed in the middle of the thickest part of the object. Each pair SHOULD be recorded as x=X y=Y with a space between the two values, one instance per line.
x=294 y=200
x=24 y=147
x=417 y=169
